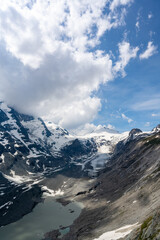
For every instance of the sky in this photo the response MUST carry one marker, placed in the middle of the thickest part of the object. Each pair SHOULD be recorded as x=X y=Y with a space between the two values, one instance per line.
x=82 y=63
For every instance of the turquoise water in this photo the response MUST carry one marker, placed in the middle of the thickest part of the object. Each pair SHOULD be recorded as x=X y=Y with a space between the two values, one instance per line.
x=45 y=217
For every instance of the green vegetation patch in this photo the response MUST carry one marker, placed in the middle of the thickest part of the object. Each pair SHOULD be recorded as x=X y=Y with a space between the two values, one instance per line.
x=144 y=225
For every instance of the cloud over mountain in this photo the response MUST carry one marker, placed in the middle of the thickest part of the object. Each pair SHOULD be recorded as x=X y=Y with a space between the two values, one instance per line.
x=51 y=62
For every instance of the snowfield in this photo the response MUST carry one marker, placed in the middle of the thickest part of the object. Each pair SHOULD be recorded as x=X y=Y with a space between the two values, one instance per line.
x=118 y=233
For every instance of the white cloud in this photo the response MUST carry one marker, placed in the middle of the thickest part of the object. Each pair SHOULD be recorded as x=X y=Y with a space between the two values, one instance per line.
x=126 y=54
x=129 y=120
x=151 y=33
x=151 y=50
x=151 y=104
x=155 y=114
x=137 y=25
x=150 y=15
x=116 y=3
x=59 y=89
x=79 y=113
x=138 y=19
x=47 y=66
x=110 y=127
x=32 y=32
x=147 y=124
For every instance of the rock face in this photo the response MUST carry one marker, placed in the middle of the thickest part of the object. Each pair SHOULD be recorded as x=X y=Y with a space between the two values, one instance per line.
x=16 y=200
x=156 y=129
x=135 y=131
x=149 y=229
x=128 y=192
x=26 y=143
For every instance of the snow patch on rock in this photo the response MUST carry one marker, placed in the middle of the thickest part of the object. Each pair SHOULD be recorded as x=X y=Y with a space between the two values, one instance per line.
x=118 y=233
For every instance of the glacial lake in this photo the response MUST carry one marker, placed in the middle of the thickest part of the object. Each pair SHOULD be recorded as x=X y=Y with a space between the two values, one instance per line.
x=46 y=216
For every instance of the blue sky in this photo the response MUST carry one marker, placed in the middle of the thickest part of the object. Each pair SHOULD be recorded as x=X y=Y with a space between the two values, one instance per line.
x=142 y=80
x=82 y=63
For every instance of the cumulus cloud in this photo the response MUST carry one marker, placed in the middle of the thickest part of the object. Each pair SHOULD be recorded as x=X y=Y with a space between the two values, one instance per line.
x=129 y=120
x=33 y=29
x=59 y=89
x=126 y=53
x=151 y=50
x=47 y=66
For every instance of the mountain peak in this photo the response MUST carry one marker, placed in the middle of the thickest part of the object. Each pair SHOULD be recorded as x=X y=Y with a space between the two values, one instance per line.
x=135 y=131
x=156 y=129
x=101 y=129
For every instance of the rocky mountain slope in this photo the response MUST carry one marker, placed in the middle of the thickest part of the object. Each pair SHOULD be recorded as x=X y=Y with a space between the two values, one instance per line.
x=126 y=193
x=149 y=229
x=36 y=156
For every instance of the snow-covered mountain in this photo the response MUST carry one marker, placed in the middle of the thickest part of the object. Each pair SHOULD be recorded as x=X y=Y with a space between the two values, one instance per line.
x=105 y=140
x=28 y=144
x=156 y=129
